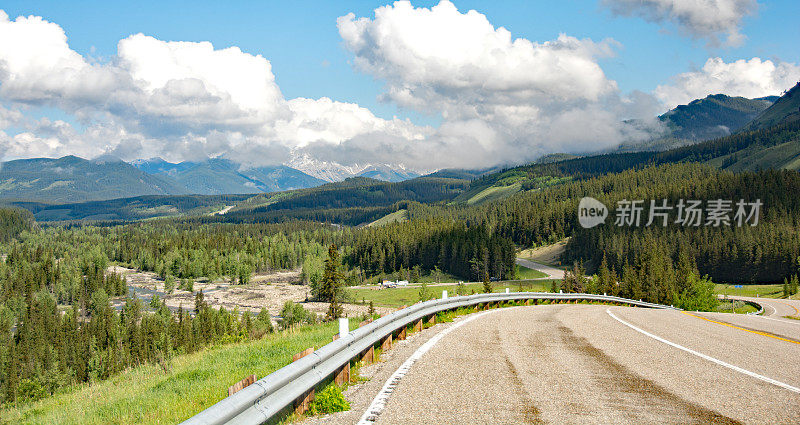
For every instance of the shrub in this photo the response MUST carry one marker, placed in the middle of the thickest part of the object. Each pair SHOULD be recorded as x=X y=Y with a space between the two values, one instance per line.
x=329 y=400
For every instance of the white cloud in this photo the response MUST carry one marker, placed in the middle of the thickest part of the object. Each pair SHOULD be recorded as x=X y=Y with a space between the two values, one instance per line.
x=707 y=19
x=178 y=100
x=502 y=99
x=748 y=78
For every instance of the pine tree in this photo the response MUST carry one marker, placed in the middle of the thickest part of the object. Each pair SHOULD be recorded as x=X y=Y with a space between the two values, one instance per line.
x=332 y=278
x=487 y=284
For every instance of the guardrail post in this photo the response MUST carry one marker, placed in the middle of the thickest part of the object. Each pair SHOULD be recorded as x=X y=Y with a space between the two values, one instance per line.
x=302 y=354
x=301 y=404
x=369 y=355
x=386 y=343
x=418 y=326
x=342 y=375
x=432 y=319
x=402 y=334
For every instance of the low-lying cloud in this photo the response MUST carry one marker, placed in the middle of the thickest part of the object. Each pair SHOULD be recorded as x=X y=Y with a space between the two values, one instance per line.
x=748 y=78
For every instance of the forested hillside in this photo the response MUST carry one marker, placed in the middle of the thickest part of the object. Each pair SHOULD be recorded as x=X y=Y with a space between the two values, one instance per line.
x=73 y=179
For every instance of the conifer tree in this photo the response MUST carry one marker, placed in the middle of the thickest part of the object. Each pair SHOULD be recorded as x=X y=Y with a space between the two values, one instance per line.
x=332 y=277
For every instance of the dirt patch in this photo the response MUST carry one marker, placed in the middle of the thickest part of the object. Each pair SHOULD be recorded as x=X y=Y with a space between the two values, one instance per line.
x=265 y=290
x=549 y=254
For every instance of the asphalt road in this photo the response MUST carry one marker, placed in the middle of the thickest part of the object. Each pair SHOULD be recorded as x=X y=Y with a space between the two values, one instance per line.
x=596 y=364
x=776 y=307
x=551 y=272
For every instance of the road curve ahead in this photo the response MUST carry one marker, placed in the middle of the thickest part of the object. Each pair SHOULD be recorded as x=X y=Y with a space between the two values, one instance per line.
x=596 y=364
x=776 y=307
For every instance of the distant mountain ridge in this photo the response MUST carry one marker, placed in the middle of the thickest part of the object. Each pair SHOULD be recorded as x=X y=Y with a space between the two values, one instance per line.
x=74 y=179
x=784 y=110
x=217 y=176
x=714 y=116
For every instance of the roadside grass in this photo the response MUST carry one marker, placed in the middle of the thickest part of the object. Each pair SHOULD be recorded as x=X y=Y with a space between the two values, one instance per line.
x=396 y=297
x=766 y=291
x=146 y=395
x=428 y=278
x=526 y=273
x=738 y=308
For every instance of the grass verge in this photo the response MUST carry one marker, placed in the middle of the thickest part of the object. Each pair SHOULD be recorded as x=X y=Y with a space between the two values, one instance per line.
x=766 y=291
x=146 y=395
x=396 y=297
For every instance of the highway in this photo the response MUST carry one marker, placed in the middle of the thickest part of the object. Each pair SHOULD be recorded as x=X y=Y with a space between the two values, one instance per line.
x=592 y=364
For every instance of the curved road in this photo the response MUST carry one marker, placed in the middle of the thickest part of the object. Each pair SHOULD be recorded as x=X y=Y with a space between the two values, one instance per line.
x=596 y=364
x=551 y=272
x=776 y=307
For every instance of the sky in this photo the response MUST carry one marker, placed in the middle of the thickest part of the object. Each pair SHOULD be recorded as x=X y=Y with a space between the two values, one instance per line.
x=424 y=85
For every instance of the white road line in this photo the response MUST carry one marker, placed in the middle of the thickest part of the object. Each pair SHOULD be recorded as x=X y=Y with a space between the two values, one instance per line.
x=703 y=356
x=379 y=403
x=789 y=321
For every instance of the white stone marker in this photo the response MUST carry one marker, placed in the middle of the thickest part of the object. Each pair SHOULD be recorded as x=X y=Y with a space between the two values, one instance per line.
x=344 y=327
x=444 y=294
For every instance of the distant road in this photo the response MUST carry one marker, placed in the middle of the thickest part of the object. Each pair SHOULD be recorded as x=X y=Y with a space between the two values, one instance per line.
x=597 y=364
x=776 y=307
x=551 y=272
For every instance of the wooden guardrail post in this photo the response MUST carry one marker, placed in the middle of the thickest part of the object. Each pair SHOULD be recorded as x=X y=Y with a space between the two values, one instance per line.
x=402 y=335
x=342 y=375
x=301 y=404
x=432 y=319
x=369 y=355
x=235 y=388
x=386 y=343
x=418 y=326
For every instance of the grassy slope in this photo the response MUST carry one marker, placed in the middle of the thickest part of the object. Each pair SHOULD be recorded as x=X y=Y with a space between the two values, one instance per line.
x=768 y=291
x=526 y=273
x=494 y=193
x=783 y=156
x=396 y=297
x=146 y=395
x=398 y=216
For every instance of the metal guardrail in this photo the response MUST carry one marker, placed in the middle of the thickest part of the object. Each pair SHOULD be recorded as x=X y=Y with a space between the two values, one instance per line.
x=267 y=397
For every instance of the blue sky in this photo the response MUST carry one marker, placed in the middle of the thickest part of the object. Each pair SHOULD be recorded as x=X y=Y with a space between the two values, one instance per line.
x=309 y=59
x=301 y=41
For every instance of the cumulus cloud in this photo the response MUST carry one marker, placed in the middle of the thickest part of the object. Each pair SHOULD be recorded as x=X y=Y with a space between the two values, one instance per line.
x=748 y=78
x=502 y=99
x=708 y=19
x=178 y=100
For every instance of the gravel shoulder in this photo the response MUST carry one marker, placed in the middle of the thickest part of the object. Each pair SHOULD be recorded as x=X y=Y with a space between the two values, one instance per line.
x=361 y=395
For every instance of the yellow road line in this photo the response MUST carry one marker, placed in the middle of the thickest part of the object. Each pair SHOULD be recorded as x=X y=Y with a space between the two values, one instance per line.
x=742 y=329
x=796 y=311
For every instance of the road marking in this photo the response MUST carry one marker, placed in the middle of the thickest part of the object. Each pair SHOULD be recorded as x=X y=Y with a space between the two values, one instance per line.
x=796 y=311
x=742 y=329
x=706 y=357
x=789 y=321
x=379 y=403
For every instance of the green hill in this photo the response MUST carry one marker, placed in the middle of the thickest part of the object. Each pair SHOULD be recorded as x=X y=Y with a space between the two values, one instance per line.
x=353 y=201
x=73 y=179
x=127 y=209
x=784 y=110
x=715 y=116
